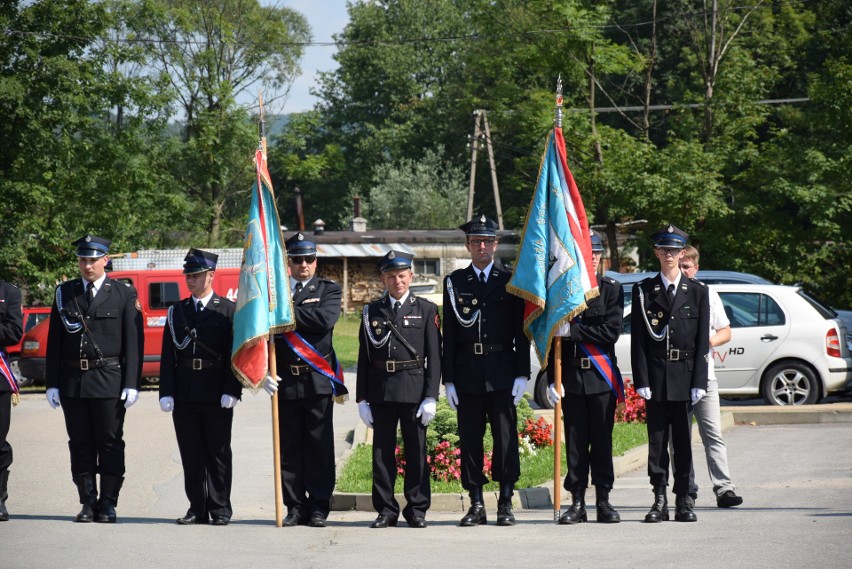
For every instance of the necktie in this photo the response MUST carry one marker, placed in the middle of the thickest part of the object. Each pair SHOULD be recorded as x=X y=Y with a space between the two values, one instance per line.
x=482 y=277
x=90 y=292
x=671 y=294
x=396 y=306
x=199 y=307
x=297 y=289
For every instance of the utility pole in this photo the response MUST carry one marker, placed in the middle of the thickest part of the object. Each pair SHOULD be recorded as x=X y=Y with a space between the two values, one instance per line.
x=480 y=125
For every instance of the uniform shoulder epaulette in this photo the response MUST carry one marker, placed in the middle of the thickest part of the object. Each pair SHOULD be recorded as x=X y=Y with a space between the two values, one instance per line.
x=420 y=298
x=8 y=283
x=128 y=285
x=610 y=280
x=696 y=281
x=325 y=280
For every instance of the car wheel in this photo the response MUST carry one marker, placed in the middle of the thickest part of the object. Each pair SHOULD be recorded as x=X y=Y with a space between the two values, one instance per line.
x=14 y=364
x=790 y=383
x=540 y=394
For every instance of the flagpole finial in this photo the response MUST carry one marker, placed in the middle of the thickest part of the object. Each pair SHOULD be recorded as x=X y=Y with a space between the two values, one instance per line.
x=559 y=102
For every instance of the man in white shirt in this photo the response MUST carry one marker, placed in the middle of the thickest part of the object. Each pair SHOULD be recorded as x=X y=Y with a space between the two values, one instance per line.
x=706 y=411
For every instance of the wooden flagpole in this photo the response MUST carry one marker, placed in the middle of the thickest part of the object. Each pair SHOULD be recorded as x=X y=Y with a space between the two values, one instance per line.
x=276 y=440
x=557 y=431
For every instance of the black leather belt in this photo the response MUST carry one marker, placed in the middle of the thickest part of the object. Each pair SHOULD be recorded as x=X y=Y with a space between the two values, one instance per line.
x=85 y=364
x=584 y=363
x=392 y=366
x=673 y=354
x=199 y=364
x=303 y=369
x=483 y=349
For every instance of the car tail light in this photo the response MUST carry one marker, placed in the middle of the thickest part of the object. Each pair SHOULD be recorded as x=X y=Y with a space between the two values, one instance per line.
x=30 y=348
x=832 y=343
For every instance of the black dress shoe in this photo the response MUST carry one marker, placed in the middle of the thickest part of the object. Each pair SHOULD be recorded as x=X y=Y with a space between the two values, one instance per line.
x=683 y=510
x=383 y=521
x=190 y=519
x=294 y=518
x=416 y=522
x=728 y=499
x=476 y=516
x=221 y=520
x=317 y=520
x=86 y=515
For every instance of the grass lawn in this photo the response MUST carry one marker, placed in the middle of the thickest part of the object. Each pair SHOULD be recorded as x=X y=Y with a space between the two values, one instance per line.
x=346 y=340
x=535 y=469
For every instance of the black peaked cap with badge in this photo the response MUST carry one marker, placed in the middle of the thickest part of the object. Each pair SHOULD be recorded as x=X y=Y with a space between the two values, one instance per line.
x=92 y=247
x=671 y=237
x=480 y=225
x=597 y=243
x=395 y=260
x=298 y=245
x=198 y=261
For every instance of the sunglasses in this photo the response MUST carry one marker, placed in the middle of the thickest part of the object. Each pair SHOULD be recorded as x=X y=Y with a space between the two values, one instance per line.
x=303 y=259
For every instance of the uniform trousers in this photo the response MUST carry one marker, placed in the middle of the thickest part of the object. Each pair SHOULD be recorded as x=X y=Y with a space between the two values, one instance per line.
x=95 y=435
x=5 y=420
x=416 y=488
x=662 y=416
x=474 y=411
x=589 y=420
x=307 y=453
x=708 y=416
x=203 y=432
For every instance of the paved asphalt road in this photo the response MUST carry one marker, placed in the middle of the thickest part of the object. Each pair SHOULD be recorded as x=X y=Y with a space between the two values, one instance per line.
x=796 y=480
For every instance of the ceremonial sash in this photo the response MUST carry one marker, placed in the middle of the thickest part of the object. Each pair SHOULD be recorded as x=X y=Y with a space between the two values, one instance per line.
x=7 y=373
x=316 y=360
x=604 y=366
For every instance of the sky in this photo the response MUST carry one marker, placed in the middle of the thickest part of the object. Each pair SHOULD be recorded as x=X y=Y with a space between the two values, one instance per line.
x=326 y=17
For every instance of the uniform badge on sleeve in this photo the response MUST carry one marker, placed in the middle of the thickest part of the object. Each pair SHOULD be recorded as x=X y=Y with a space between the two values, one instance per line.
x=138 y=306
x=437 y=322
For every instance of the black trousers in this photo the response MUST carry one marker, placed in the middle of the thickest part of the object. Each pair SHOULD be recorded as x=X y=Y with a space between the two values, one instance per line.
x=588 y=439
x=203 y=432
x=307 y=453
x=5 y=421
x=474 y=411
x=416 y=488
x=662 y=416
x=95 y=435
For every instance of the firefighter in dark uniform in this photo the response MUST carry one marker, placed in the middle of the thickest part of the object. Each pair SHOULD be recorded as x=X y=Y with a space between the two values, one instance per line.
x=670 y=323
x=307 y=389
x=591 y=387
x=11 y=330
x=198 y=387
x=399 y=375
x=486 y=366
x=94 y=361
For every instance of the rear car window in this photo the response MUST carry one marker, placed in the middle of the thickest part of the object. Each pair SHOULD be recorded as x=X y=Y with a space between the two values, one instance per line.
x=824 y=310
x=748 y=309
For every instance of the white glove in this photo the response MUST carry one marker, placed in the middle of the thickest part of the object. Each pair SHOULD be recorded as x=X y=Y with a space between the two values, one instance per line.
x=554 y=397
x=228 y=401
x=366 y=414
x=452 y=396
x=270 y=384
x=427 y=410
x=129 y=396
x=697 y=394
x=52 y=395
x=644 y=392
x=167 y=404
x=519 y=388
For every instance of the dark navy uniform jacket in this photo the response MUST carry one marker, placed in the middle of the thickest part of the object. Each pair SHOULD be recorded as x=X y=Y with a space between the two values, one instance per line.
x=115 y=326
x=687 y=339
x=599 y=324
x=11 y=322
x=214 y=328
x=419 y=323
x=317 y=309
x=499 y=327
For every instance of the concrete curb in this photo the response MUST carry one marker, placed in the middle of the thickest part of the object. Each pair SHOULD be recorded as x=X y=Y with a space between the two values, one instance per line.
x=540 y=497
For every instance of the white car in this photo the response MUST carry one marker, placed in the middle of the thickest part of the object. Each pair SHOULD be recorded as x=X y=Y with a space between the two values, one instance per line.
x=785 y=346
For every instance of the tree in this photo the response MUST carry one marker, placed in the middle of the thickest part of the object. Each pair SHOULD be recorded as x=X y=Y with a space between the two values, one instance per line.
x=209 y=52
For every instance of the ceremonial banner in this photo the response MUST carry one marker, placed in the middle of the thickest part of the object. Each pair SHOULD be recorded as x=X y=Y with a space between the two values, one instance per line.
x=264 y=303
x=553 y=271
